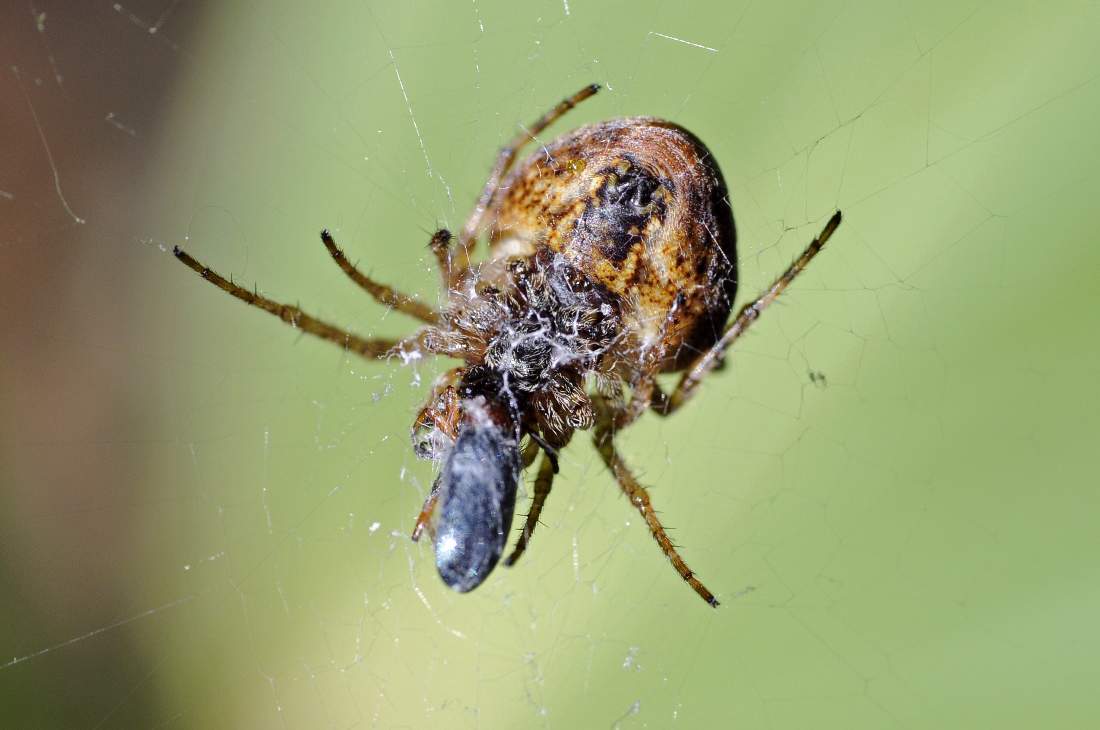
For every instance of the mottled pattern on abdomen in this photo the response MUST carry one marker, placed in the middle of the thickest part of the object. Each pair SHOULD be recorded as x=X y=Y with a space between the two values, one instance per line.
x=640 y=206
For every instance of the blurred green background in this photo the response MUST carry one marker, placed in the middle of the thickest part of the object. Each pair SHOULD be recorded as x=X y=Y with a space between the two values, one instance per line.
x=204 y=517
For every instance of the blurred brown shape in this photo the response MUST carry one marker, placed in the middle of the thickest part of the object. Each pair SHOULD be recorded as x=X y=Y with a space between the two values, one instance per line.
x=83 y=88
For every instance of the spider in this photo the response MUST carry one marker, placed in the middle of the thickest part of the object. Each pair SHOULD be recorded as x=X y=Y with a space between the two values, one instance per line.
x=611 y=259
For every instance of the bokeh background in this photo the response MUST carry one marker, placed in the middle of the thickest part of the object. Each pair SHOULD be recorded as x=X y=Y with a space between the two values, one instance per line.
x=892 y=486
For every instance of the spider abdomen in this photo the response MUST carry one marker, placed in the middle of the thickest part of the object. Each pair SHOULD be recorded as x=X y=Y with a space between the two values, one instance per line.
x=640 y=207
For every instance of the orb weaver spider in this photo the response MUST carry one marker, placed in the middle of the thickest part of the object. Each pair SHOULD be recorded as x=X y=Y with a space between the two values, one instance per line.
x=612 y=258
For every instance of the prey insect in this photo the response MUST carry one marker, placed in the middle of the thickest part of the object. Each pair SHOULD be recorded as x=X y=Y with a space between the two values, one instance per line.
x=611 y=259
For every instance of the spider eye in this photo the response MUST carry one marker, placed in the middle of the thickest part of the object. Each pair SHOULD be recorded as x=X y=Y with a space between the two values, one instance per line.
x=478 y=491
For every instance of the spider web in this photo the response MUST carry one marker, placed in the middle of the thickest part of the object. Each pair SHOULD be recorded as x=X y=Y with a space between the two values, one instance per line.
x=890 y=486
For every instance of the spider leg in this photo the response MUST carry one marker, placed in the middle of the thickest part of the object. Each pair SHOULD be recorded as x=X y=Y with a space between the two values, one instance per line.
x=550 y=451
x=383 y=294
x=367 y=347
x=423 y=520
x=640 y=398
x=528 y=453
x=505 y=158
x=441 y=247
x=639 y=497
x=543 y=481
x=709 y=359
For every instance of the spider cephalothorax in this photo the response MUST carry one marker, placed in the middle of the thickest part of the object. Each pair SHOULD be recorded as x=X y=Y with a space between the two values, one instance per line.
x=534 y=335
x=529 y=335
x=611 y=259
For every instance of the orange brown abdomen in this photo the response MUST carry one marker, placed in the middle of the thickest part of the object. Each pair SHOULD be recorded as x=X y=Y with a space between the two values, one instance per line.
x=639 y=206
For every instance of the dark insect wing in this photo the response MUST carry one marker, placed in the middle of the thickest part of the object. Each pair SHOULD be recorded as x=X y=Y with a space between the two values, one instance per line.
x=478 y=492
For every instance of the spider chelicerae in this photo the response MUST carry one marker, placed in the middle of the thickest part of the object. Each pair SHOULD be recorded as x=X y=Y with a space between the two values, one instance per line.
x=611 y=259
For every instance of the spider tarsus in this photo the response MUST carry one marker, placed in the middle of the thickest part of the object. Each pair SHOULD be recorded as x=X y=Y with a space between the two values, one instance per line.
x=819 y=243
x=440 y=239
x=330 y=244
x=580 y=96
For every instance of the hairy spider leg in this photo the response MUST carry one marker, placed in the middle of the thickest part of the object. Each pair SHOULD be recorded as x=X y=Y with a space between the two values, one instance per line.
x=440 y=244
x=382 y=293
x=505 y=158
x=639 y=497
x=641 y=395
x=709 y=359
x=543 y=481
x=528 y=453
x=374 y=348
